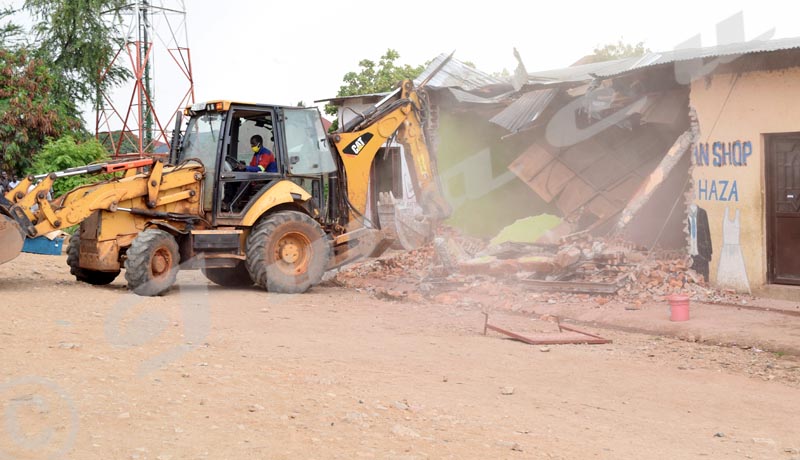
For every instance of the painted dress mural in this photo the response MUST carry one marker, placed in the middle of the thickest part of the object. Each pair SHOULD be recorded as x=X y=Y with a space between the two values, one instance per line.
x=731 y=272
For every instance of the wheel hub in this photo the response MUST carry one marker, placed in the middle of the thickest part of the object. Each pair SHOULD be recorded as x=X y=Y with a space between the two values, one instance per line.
x=290 y=252
x=161 y=263
x=293 y=252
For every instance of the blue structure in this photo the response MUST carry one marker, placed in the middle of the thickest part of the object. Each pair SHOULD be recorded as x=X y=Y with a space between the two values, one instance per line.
x=42 y=245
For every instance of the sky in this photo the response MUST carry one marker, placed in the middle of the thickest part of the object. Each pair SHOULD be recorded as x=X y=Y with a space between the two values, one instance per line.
x=285 y=52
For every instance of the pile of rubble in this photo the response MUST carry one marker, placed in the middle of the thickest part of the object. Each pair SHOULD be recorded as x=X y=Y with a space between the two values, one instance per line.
x=580 y=267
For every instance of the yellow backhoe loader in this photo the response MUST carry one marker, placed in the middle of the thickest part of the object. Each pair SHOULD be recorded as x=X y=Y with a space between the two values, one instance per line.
x=278 y=229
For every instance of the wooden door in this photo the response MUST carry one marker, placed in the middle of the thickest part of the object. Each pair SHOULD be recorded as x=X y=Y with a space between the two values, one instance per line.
x=783 y=208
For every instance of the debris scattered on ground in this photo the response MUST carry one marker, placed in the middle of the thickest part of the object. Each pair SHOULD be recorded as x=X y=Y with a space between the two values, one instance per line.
x=507 y=391
x=559 y=337
x=582 y=268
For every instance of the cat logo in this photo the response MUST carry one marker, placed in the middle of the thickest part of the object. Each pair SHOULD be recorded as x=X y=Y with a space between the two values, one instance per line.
x=355 y=147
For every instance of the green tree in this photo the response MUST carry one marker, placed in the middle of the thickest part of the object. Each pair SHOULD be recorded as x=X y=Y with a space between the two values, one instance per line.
x=29 y=111
x=502 y=75
x=618 y=50
x=112 y=139
x=67 y=153
x=11 y=34
x=77 y=38
x=374 y=78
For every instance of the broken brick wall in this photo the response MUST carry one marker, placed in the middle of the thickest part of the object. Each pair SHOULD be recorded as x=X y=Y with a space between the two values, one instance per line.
x=661 y=221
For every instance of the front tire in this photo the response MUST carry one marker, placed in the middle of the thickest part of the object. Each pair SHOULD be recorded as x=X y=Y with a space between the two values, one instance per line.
x=287 y=252
x=152 y=263
x=94 y=277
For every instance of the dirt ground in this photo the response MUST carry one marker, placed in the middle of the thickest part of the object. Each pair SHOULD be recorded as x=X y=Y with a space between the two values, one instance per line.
x=207 y=372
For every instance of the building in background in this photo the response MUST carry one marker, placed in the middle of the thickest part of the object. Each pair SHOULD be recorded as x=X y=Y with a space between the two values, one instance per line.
x=694 y=150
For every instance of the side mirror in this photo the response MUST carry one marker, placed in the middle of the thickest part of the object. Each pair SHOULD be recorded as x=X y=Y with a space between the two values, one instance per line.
x=294 y=159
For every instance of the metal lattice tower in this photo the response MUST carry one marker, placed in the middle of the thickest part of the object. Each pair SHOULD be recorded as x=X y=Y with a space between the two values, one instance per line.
x=154 y=37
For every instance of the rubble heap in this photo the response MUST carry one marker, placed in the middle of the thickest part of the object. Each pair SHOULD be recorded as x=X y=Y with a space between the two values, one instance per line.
x=580 y=267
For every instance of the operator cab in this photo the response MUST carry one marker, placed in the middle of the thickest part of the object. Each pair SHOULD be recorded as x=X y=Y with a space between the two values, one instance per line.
x=219 y=134
x=238 y=184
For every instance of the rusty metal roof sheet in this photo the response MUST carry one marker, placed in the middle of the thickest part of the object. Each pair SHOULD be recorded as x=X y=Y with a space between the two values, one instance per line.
x=525 y=110
x=456 y=74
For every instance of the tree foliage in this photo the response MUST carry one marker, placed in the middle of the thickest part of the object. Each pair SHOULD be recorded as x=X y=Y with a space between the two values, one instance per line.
x=111 y=140
x=29 y=112
x=375 y=78
x=77 y=37
x=11 y=33
x=619 y=50
x=504 y=74
x=67 y=153
x=45 y=74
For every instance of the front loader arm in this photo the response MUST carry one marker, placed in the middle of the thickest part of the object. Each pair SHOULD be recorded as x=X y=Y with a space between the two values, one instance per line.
x=36 y=214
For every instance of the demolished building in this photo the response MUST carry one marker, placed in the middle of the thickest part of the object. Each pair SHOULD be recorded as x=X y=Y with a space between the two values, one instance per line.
x=696 y=150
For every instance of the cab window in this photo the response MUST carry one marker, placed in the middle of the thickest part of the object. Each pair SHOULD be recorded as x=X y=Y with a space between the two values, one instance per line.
x=247 y=124
x=306 y=143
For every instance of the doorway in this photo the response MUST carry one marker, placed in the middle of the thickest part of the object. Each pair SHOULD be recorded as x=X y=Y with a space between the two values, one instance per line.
x=783 y=208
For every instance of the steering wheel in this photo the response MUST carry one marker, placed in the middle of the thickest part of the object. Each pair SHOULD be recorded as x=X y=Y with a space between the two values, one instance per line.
x=231 y=164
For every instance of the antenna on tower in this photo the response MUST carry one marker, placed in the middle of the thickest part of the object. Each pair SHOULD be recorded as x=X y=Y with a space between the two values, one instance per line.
x=131 y=118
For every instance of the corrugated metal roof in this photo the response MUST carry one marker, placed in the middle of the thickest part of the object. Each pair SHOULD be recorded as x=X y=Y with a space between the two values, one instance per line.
x=607 y=69
x=456 y=74
x=458 y=95
x=524 y=110
x=372 y=96
x=465 y=97
x=732 y=49
x=581 y=73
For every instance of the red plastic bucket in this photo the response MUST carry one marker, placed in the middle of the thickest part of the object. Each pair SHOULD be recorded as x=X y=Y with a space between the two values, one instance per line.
x=678 y=307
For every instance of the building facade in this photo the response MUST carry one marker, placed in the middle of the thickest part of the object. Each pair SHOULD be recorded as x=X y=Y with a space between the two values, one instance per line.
x=746 y=172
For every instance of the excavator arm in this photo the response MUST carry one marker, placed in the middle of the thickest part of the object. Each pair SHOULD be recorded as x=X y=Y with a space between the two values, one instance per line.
x=401 y=116
x=412 y=136
x=358 y=149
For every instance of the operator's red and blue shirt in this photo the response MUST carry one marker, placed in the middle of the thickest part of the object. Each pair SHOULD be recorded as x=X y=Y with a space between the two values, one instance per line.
x=263 y=161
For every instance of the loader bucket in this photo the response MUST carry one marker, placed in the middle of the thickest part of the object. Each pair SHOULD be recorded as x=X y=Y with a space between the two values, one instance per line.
x=11 y=239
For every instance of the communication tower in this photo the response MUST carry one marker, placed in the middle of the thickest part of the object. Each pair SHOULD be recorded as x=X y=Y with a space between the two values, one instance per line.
x=139 y=115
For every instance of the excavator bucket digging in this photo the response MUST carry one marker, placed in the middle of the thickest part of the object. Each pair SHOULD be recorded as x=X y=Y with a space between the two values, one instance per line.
x=405 y=222
x=11 y=239
x=413 y=228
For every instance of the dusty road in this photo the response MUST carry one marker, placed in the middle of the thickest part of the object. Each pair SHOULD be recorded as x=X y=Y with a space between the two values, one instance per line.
x=207 y=372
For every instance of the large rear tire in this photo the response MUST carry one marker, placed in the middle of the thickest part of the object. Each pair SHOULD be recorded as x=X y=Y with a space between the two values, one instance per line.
x=152 y=263
x=93 y=277
x=237 y=276
x=287 y=252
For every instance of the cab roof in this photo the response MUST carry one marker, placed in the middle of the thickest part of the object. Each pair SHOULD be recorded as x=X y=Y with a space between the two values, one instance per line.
x=225 y=105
